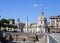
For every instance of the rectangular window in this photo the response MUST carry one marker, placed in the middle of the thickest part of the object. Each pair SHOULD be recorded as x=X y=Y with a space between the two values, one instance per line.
x=53 y=22
x=58 y=23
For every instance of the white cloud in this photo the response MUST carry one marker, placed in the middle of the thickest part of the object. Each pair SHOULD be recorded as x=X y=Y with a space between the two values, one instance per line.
x=37 y=5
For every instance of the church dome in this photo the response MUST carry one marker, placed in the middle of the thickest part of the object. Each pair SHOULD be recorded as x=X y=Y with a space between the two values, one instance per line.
x=41 y=16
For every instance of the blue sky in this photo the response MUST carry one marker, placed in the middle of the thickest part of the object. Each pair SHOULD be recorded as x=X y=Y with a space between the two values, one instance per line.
x=31 y=8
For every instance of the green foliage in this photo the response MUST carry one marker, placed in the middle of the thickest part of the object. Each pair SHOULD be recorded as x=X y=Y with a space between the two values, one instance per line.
x=5 y=23
x=11 y=25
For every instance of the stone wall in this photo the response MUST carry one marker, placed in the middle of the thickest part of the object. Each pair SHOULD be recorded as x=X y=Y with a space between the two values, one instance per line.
x=25 y=38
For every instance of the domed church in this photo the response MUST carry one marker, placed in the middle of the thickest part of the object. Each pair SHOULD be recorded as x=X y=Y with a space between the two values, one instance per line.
x=39 y=26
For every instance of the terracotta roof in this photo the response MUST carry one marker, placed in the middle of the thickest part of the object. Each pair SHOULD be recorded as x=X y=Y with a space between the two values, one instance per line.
x=53 y=17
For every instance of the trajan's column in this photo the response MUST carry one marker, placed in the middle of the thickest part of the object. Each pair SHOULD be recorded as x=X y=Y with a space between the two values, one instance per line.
x=27 y=24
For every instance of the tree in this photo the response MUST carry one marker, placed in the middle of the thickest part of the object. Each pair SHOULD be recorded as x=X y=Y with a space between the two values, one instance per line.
x=11 y=25
x=5 y=23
